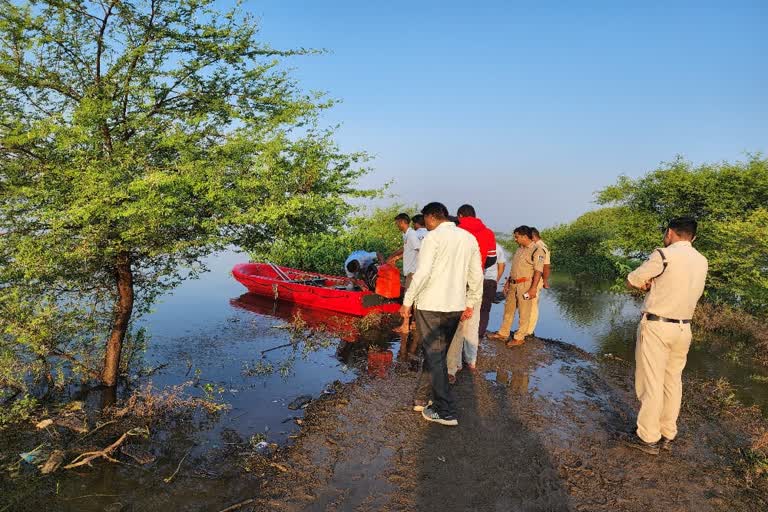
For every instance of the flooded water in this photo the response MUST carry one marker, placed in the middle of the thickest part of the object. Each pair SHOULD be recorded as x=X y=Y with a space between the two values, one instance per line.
x=600 y=322
x=212 y=334
x=212 y=326
x=212 y=329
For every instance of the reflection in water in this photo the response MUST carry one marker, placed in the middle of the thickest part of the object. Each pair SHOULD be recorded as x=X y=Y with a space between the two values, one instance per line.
x=343 y=326
x=517 y=380
x=365 y=343
x=586 y=303
x=586 y=314
x=379 y=363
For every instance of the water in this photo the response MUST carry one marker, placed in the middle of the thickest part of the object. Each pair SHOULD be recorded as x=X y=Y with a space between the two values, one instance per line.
x=600 y=322
x=204 y=321
x=211 y=328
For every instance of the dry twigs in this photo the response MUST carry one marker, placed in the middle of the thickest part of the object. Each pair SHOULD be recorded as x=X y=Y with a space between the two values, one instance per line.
x=87 y=457
x=168 y=480
x=238 y=505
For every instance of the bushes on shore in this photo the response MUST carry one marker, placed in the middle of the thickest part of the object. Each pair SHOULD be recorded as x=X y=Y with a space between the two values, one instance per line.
x=326 y=252
x=728 y=199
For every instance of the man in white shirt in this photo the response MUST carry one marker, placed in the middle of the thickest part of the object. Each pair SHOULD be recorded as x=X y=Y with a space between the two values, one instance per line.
x=419 y=226
x=447 y=280
x=408 y=253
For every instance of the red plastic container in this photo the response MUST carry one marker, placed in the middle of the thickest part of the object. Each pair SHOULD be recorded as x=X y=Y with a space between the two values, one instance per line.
x=388 y=281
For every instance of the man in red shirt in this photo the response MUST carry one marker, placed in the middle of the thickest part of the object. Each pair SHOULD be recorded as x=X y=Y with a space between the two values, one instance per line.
x=467 y=336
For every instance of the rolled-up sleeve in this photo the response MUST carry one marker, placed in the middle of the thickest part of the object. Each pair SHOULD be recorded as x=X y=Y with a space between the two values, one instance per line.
x=539 y=255
x=652 y=267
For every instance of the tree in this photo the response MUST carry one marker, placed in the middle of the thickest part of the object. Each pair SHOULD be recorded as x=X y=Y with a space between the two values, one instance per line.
x=137 y=137
x=728 y=199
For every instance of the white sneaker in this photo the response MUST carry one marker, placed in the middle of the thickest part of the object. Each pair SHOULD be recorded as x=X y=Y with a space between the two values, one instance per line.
x=418 y=407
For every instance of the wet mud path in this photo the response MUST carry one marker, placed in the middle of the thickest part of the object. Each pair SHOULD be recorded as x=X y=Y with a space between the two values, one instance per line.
x=539 y=431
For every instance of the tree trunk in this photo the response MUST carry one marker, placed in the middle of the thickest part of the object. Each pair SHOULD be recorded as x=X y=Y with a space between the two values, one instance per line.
x=123 y=310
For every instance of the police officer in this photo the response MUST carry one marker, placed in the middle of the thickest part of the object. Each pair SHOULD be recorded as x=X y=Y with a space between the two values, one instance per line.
x=673 y=278
x=544 y=253
x=521 y=288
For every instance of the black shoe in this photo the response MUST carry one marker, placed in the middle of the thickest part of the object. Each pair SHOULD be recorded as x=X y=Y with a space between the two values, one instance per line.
x=430 y=414
x=666 y=444
x=638 y=444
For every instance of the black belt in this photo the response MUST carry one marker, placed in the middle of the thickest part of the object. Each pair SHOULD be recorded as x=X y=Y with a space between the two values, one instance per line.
x=657 y=318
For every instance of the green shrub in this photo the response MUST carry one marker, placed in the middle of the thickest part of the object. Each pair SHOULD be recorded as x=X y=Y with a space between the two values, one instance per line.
x=729 y=201
x=325 y=253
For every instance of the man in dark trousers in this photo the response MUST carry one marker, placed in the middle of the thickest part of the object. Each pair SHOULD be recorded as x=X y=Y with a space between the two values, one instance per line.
x=448 y=281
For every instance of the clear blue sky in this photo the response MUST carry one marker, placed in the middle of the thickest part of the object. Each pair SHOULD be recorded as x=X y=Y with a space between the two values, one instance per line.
x=524 y=110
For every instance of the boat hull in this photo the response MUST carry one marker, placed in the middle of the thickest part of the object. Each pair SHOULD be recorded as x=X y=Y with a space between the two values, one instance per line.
x=307 y=288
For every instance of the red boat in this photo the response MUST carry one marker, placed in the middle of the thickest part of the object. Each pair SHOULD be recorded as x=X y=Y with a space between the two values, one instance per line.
x=310 y=289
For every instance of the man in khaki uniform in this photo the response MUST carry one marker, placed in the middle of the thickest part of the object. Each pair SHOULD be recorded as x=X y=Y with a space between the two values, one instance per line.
x=521 y=288
x=674 y=279
x=544 y=282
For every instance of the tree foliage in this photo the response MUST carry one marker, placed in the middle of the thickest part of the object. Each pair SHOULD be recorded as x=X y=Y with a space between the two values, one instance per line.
x=136 y=137
x=730 y=201
x=326 y=252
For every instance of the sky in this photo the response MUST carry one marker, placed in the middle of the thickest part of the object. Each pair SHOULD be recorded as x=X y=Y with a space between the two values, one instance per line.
x=525 y=109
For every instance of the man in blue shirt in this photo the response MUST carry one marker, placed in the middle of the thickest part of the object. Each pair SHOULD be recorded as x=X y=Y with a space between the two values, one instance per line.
x=360 y=267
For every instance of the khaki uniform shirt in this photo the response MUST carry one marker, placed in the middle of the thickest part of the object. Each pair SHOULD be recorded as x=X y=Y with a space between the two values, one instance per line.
x=526 y=261
x=544 y=247
x=675 y=292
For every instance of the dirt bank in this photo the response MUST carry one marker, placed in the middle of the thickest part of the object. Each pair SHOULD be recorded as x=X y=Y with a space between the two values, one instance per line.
x=539 y=431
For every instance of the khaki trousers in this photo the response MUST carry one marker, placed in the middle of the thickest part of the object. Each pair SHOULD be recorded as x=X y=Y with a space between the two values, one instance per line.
x=535 y=310
x=516 y=302
x=660 y=356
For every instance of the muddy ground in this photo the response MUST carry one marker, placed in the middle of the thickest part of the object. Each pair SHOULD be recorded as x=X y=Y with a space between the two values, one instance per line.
x=540 y=430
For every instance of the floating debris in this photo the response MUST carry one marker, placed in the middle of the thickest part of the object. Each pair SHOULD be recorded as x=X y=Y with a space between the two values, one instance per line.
x=43 y=424
x=33 y=456
x=54 y=461
x=262 y=448
x=300 y=402
x=137 y=453
x=73 y=423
